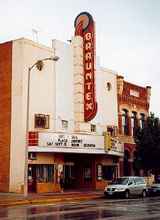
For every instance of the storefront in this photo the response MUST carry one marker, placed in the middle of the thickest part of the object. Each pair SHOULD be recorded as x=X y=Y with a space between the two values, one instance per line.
x=82 y=158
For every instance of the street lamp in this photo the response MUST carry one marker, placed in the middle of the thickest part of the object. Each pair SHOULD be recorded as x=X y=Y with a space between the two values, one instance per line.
x=39 y=65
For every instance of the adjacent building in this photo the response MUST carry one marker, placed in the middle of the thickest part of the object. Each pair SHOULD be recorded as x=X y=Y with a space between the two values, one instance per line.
x=133 y=109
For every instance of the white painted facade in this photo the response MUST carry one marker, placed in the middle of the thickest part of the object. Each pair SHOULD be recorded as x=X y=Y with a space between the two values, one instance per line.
x=53 y=91
x=107 y=100
x=24 y=54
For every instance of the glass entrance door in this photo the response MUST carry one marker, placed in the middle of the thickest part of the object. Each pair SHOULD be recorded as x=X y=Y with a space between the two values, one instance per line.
x=69 y=176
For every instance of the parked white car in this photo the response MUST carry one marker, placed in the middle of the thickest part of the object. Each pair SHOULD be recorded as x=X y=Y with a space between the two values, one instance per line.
x=127 y=186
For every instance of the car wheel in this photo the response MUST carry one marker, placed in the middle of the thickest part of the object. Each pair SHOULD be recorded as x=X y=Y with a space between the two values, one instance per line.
x=144 y=194
x=126 y=194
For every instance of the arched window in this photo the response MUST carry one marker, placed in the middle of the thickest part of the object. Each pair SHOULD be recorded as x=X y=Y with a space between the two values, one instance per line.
x=133 y=123
x=125 y=122
x=109 y=86
x=142 y=120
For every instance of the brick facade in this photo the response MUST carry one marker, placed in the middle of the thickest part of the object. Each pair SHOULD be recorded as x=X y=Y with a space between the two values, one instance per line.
x=133 y=99
x=126 y=98
x=5 y=116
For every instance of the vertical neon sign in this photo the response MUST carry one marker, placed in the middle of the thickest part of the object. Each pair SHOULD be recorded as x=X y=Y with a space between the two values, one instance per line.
x=85 y=27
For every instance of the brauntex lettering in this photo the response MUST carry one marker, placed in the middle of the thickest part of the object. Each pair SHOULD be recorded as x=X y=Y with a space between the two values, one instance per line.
x=88 y=72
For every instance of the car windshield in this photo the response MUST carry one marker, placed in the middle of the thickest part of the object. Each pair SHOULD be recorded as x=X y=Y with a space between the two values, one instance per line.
x=122 y=181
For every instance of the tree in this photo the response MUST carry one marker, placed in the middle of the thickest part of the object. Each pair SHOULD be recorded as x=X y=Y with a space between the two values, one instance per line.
x=147 y=141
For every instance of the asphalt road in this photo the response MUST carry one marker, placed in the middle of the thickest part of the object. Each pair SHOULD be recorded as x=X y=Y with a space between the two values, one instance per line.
x=101 y=209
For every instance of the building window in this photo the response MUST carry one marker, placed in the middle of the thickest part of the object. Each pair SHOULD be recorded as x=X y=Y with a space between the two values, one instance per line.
x=41 y=121
x=109 y=86
x=45 y=173
x=93 y=128
x=112 y=130
x=142 y=120
x=133 y=123
x=65 y=124
x=125 y=122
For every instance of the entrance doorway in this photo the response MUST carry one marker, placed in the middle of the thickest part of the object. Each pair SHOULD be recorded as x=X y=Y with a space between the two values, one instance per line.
x=69 y=175
x=79 y=171
x=87 y=175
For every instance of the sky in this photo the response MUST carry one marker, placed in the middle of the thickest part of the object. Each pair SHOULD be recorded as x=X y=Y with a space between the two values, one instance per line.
x=127 y=33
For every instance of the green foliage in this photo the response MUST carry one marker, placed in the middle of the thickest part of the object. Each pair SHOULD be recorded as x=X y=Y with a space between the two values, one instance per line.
x=148 y=144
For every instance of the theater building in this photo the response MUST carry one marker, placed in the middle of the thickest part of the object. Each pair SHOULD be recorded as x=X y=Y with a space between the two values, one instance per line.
x=133 y=109
x=67 y=108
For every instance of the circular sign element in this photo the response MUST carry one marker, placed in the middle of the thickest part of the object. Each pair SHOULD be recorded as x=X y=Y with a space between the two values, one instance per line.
x=83 y=18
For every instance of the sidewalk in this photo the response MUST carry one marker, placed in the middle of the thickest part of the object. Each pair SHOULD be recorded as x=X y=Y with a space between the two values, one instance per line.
x=11 y=199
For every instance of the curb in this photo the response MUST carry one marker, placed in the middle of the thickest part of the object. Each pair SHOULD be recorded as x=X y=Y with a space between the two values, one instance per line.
x=46 y=201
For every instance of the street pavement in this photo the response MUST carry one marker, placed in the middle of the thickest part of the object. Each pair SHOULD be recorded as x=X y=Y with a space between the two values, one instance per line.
x=98 y=209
